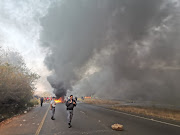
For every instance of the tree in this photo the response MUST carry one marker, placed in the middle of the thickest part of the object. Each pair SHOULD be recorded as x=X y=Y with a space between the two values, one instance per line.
x=17 y=82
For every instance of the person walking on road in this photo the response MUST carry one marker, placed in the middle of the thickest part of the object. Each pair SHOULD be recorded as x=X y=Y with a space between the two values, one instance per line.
x=53 y=105
x=41 y=100
x=71 y=103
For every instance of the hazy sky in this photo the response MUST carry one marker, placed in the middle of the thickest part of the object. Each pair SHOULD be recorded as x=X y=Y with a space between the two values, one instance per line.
x=20 y=30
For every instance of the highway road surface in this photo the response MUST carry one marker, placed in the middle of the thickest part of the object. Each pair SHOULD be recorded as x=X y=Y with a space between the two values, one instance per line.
x=87 y=120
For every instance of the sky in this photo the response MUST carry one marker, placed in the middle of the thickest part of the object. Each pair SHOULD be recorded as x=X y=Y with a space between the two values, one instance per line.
x=20 y=30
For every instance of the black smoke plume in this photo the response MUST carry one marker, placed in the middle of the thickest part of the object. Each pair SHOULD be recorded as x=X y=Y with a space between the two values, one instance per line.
x=134 y=44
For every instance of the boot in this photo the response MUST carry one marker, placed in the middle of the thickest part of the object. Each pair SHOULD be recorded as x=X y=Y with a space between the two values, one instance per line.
x=69 y=125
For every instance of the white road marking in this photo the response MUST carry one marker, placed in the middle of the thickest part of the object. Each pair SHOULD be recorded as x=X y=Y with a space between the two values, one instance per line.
x=142 y=117
x=82 y=112
x=42 y=122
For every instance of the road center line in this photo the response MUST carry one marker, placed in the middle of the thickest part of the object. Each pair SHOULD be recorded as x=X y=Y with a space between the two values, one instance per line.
x=142 y=117
x=42 y=122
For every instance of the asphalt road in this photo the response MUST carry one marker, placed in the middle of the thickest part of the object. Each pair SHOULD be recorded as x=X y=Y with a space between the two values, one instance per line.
x=87 y=120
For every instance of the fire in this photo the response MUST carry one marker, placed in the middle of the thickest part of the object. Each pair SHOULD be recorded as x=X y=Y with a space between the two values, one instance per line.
x=60 y=100
x=87 y=97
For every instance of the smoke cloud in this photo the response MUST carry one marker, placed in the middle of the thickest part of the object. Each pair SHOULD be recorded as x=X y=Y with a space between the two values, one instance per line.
x=114 y=49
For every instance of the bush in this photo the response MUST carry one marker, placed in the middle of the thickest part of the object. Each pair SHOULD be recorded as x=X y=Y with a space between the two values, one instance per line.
x=17 y=84
x=33 y=102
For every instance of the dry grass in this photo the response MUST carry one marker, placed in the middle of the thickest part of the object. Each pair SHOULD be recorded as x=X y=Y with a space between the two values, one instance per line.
x=169 y=114
x=100 y=101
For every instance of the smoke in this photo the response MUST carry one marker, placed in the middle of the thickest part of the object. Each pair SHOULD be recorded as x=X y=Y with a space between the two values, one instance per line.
x=115 y=49
x=60 y=89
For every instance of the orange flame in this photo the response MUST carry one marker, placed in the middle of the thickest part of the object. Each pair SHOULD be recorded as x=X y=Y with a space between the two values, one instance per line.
x=87 y=97
x=59 y=100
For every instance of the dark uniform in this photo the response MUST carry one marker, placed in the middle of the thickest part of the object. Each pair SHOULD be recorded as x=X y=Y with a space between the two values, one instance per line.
x=70 y=107
x=41 y=101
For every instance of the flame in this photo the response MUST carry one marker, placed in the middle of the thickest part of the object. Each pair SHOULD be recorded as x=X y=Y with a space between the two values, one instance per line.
x=59 y=100
x=87 y=97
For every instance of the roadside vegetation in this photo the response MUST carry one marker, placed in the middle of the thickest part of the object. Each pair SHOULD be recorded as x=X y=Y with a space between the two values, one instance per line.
x=100 y=101
x=17 y=84
x=163 y=113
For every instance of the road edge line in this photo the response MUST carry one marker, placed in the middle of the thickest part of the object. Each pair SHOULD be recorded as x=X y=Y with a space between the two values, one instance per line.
x=42 y=122
x=166 y=123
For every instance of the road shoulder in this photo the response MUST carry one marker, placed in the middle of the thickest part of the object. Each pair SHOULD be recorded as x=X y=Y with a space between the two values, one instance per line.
x=24 y=124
